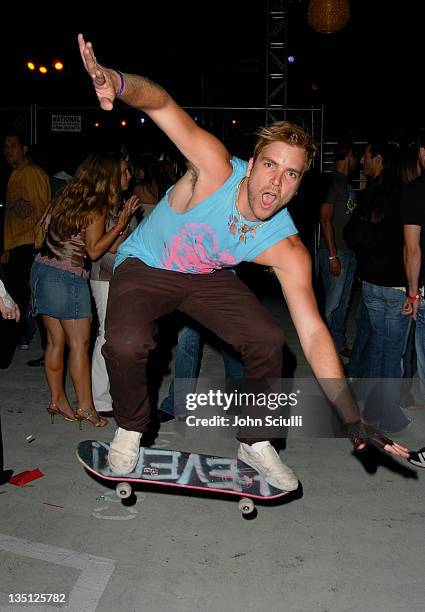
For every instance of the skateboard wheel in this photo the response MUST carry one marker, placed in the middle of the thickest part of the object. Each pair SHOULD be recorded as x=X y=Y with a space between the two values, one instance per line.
x=246 y=505
x=123 y=490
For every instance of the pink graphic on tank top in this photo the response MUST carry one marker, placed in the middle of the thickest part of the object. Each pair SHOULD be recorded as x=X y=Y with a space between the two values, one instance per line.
x=195 y=249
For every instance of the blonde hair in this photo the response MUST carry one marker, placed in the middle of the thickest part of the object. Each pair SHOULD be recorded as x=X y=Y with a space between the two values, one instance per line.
x=290 y=133
x=96 y=187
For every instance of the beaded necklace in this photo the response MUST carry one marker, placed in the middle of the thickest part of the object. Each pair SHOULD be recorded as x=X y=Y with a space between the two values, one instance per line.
x=237 y=224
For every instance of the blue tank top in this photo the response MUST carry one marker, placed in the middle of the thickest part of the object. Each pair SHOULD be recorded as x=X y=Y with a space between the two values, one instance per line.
x=204 y=238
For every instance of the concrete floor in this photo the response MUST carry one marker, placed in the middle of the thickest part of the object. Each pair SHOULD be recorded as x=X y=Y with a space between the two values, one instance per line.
x=352 y=539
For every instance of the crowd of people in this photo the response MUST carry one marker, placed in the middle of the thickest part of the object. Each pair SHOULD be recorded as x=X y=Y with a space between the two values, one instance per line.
x=368 y=234
x=61 y=234
x=158 y=243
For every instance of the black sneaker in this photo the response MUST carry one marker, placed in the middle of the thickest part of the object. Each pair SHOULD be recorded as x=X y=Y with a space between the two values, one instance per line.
x=36 y=363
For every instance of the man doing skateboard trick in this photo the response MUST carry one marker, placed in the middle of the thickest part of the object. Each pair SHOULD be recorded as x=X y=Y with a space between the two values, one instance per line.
x=220 y=212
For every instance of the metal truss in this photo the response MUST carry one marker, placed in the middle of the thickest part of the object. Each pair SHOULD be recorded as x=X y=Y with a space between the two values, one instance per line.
x=277 y=56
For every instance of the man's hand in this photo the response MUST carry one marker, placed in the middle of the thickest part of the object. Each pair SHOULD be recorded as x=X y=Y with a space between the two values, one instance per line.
x=411 y=308
x=105 y=80
x=361 y=434
x=335 y=266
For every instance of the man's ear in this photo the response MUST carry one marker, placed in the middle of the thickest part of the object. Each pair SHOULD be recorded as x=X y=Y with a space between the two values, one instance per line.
x=25 y=149
x=250 y=164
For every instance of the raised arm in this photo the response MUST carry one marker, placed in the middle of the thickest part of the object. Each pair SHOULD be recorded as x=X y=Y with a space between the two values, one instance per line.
x=292 y=265
x=206 y=153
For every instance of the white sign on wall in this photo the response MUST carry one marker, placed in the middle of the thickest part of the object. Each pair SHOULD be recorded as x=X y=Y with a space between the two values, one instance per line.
x=66 y=123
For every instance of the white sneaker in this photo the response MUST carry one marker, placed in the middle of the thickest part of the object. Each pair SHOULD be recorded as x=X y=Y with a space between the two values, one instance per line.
x=124 y=451
x=263 y=457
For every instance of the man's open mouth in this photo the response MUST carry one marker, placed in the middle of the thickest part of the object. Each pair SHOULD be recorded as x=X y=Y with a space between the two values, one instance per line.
x=268 y=199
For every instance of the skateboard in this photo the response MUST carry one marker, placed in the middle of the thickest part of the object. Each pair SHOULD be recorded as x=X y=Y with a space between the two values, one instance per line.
x=171 y=468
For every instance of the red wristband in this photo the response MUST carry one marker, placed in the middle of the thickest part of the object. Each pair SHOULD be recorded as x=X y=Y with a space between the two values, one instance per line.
x=412 y=298
x=117 y=231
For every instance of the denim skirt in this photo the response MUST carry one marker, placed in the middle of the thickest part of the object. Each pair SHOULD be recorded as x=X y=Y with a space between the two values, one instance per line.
x=59 y=293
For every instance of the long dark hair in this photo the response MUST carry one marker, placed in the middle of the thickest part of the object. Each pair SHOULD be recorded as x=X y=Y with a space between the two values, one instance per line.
x=96 y=187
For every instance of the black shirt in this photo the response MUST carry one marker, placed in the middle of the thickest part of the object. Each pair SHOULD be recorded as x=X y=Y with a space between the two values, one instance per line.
x=383 y=265
x=413 y=213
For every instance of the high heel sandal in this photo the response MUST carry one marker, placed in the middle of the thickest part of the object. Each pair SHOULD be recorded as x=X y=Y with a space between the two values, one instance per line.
x=82 y=414
x=53 y=409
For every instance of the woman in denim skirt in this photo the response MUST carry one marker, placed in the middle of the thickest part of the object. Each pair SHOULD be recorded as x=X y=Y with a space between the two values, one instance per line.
x=59 y=276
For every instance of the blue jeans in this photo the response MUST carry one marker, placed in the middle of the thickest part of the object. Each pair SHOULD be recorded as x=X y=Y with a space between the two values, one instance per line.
x=358 y=365
x=420 y=343
x=409 y=359
x=187 y=364
x=387 y=345
x=59 y=293
x=337 y=294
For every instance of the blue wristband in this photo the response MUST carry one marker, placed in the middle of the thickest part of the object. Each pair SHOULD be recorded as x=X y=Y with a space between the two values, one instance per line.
x=122 y=84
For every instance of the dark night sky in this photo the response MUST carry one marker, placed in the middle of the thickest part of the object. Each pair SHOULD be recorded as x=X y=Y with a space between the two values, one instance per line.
x=367 y=75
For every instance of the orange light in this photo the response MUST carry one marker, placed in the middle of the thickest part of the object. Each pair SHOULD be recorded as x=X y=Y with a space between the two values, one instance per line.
x=58 y=65
x=234 y=122
x=97 y=124
x=123 y=123
x=328 y=16
x=43 y=69
x=30 y=66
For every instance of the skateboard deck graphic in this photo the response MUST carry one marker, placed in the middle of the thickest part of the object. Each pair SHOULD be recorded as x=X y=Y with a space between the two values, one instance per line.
x=181 y=469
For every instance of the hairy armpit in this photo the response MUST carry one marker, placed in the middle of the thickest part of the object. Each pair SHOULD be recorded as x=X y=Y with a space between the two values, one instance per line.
x=193 y=174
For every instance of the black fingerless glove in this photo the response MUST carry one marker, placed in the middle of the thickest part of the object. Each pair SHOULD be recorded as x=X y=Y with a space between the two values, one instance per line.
x=361 y=433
